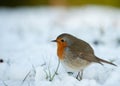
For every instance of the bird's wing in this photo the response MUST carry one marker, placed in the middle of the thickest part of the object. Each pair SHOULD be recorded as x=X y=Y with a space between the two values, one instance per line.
x=93 y=58
x=89 y=57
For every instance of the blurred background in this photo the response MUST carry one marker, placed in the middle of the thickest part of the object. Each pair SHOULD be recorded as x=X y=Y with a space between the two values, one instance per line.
x=28 y=26
x=14 y=3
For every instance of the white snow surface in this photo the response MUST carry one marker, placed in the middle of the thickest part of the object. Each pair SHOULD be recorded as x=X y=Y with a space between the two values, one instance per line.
x=29 y=54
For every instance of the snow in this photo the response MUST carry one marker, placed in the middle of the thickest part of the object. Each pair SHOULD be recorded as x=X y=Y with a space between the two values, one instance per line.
x=30 y=56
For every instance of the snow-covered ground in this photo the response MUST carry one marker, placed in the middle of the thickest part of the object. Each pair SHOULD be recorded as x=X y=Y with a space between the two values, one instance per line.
x=30 y=56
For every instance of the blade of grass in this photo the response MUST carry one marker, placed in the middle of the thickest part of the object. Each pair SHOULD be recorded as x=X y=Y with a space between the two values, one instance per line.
x=5 y=83
x=55 y=71
x=25 y=77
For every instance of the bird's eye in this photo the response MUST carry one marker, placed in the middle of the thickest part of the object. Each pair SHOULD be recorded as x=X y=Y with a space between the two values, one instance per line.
x=62 y=40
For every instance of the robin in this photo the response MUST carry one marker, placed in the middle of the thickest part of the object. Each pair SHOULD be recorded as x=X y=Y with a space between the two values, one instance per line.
x=76 y=54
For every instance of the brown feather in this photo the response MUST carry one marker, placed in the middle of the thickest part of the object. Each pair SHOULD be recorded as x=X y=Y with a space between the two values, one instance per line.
x=101 y=60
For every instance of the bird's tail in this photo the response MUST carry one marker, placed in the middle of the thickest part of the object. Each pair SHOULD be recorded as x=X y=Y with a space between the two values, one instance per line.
x=101 y=60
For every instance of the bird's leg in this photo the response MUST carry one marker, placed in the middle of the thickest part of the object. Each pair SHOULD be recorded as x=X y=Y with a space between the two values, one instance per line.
x=70 y=73
x=80 y=75
x=77 y=77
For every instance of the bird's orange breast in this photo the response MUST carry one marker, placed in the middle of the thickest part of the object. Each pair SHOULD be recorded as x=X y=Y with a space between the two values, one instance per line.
x=60 y=50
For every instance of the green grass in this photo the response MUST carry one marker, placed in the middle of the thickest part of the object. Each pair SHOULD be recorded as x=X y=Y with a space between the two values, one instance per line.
x=12 y=3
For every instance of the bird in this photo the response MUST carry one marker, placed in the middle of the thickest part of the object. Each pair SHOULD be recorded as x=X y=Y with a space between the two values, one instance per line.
x=75 y=54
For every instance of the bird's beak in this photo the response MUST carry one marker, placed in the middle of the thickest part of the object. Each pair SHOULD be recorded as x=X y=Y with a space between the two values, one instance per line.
x=54 y=41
